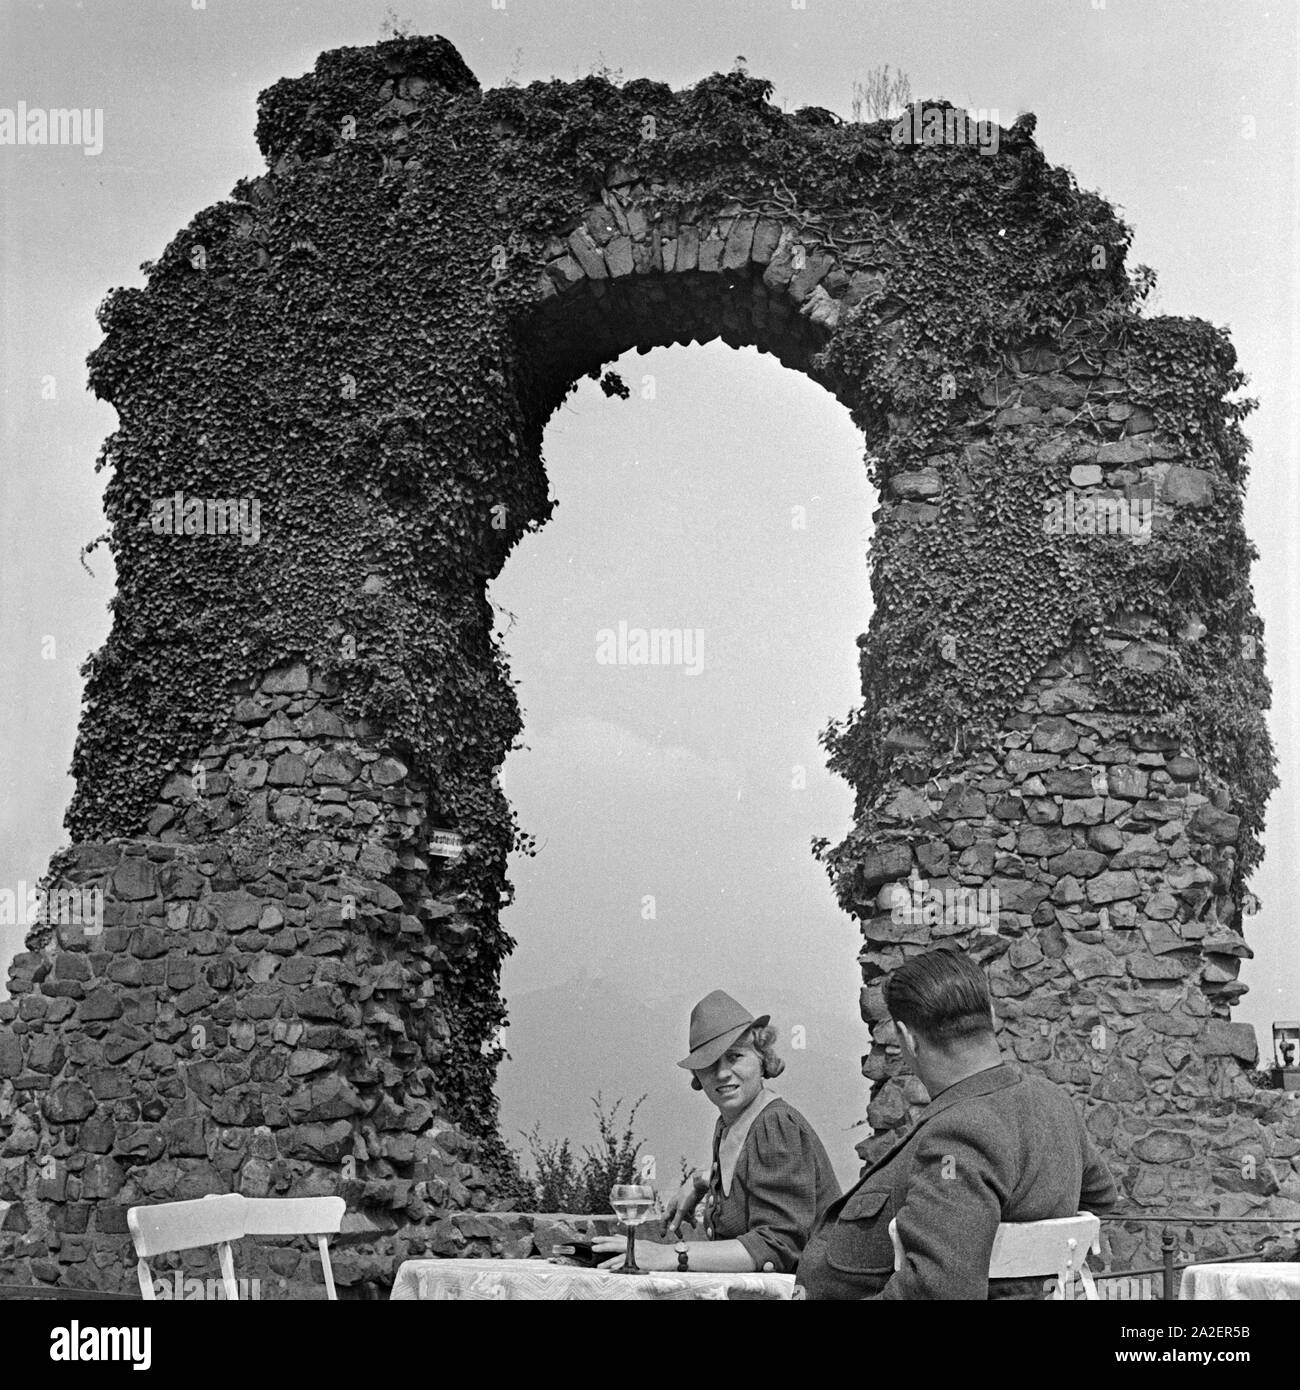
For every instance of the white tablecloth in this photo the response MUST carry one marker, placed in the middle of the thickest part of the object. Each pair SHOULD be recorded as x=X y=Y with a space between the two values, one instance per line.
x=1241 y=1281
x=513 y=1280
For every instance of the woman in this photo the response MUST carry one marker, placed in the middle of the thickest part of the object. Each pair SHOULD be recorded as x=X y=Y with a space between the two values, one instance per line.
x=770 y=1178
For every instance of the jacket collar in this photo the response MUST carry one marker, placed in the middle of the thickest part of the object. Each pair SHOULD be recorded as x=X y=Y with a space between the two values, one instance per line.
x=981 y=1083
x=731 y=1139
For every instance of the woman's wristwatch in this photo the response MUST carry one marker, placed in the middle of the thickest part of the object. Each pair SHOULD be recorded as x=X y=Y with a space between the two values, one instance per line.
x=683 y=1257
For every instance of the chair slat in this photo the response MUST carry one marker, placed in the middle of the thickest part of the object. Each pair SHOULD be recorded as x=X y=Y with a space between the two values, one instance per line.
x=185 y=1225
x=1023 y=1249
x=227 y=1259
x=293 y=1216
x=327 y=1269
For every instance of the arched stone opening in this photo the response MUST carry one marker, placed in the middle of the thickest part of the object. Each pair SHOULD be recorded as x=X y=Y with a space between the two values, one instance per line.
x=723 y=502
x=292 y=989
x=747 y=280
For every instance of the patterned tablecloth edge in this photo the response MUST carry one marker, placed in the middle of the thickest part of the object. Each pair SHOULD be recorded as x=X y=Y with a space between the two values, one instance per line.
x=412 y=1283
x=1240 y=1282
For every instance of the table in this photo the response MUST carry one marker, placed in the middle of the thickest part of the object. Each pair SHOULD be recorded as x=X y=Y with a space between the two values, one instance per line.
x=518 y=1280
x=1249 y=1279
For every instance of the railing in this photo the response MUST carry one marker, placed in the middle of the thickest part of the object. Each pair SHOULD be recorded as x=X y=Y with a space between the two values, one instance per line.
x=47 y=1292
x=1141 y=1283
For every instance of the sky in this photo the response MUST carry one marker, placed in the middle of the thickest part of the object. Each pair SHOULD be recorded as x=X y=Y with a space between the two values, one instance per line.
x=675 y=505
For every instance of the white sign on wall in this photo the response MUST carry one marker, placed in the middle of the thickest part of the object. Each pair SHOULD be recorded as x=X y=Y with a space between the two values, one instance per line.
x=446 y=844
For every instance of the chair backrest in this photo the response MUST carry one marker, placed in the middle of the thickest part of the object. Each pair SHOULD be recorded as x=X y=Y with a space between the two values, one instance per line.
x=317 y=1216
x=218 y=1220
x=186 y=1225
x=298 y=1216
x=1024 y=1249
x=293 y=1216
x=171 y=1226
x=1029 y=1249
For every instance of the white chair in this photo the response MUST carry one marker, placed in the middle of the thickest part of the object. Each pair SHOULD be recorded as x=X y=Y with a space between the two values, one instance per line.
x=297 y=1216
x=1030 y=1249
x=171 y=1226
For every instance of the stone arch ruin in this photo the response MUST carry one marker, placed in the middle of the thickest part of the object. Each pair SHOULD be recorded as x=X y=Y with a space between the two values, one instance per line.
x=294 y=987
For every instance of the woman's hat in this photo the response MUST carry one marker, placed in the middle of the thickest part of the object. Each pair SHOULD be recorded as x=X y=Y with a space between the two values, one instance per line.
x=716 y=1022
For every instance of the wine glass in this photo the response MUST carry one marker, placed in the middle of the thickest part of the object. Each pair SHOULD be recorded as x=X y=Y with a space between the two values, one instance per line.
x=633 y=1203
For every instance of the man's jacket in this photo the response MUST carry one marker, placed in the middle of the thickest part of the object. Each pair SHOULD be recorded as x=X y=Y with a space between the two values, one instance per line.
x=996 y=1146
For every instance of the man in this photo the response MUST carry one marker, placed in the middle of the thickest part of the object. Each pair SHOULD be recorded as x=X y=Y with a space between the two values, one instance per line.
x=993 y=1145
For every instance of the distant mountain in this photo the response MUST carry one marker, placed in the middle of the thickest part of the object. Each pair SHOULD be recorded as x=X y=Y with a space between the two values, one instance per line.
x=570 y=1041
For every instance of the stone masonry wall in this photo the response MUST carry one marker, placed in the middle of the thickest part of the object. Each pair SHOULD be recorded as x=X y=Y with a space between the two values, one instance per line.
x=259 y=1013
x=1114 y=954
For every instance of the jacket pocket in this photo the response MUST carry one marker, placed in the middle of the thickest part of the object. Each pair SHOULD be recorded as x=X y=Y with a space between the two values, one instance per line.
x=858 y=1242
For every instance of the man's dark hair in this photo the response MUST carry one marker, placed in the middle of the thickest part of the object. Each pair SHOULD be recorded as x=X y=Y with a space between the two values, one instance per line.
x=942 y=995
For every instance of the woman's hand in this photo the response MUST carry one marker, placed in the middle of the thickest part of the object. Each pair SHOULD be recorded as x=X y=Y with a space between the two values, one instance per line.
x=608 y=1245
x=686 y=1200
x=648 y=1255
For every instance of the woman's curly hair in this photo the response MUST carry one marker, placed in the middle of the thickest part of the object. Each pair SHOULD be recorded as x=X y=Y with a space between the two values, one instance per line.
x=763 y=1041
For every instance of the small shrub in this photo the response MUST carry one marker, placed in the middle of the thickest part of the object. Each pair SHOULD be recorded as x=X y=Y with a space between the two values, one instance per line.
x=881 y=95
x=564 y=1182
